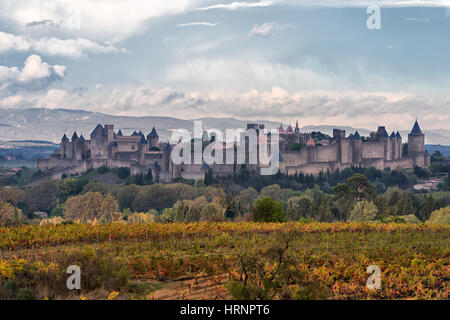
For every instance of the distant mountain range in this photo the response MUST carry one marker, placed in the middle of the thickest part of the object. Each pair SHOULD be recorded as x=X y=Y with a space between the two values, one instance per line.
x=51 y=124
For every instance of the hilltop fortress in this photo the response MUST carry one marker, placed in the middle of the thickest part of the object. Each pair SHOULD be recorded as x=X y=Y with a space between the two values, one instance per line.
x=299 y=152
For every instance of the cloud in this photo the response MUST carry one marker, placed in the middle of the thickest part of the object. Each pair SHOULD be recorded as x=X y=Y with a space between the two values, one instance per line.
x=364 y=3
x=73 y=48
x=193 y=24
x=422 y=20
x=96 y=20
x=41 y=24
x=35 y=75
x=236 y=5
x=316 y=107
x=263 y=30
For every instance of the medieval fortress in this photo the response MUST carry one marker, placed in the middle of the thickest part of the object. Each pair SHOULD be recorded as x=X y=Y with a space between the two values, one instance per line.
x=142 y=154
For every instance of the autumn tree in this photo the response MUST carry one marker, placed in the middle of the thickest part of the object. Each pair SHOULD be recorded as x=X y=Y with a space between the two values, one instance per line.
x=92 y=205
x=9 y=215
x=363 y=211
x=11 y=194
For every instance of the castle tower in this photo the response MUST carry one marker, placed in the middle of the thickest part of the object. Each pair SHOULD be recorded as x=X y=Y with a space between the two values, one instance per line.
x=356 y=147
x=393 y=142
x=297 y=129
x=416 y=146
x=98 y=144
x=153 y=139
x=142 y=149
x=399 y=145
x=109 y=132
x=64 y=142
x=384 y=137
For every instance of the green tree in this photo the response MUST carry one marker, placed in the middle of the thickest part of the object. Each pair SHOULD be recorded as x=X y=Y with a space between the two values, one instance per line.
x=360 y=187
x=268 y=210
x=299 y=207
x=40 y=197
x=69 y=187
x=363 y=211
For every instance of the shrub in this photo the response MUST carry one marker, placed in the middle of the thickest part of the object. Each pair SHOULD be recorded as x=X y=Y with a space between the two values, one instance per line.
x=267 y=210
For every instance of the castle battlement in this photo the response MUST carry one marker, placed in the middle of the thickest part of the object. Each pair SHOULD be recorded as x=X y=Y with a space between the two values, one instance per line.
x=143 y=153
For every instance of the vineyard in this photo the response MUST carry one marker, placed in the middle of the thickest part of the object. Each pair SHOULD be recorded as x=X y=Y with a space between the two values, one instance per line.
x=226 y=260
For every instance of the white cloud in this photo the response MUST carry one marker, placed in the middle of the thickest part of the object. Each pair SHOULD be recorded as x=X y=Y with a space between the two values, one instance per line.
x=236 y=5
x=243 y=73
x=364 y=3
x=422 y=20
x=264 y=30
x=99 y=20
x=193 y=24
x=35 y=75
x=324 y=107
x=74 y=48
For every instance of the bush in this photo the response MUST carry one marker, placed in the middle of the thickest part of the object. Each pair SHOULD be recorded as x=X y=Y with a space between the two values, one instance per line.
x=26 y=294
x=267 y=210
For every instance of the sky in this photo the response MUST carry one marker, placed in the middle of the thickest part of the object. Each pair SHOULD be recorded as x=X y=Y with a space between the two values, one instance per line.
x=312 y=61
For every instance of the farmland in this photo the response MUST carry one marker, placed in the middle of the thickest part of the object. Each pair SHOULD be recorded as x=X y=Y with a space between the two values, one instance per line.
x=226 y=260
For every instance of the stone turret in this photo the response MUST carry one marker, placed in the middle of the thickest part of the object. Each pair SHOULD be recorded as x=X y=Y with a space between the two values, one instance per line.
x=153 y=139
x=356 y=147
x=416 y=146
x=399 y=145
x=64 y=142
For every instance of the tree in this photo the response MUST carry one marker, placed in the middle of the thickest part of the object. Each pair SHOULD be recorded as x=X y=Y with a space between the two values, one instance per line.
x=360 y=187
x=123 y=172
x=268 y=210
x=299 y=207
x=41 y=197
x=247 y=197
x=69 y=187
x=6 y=213
x=92 y=205
x=441 y=216
x=11 y=194
x=363 y=211
x=274 y=191
x=209 y=179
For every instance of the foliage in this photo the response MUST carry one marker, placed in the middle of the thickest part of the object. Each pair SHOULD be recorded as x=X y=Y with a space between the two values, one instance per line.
x=9 y=215
x=51 y=221
x=441 y=216
x=268 y=210
x=92 y=205
x=322 y=260
x=363 y=211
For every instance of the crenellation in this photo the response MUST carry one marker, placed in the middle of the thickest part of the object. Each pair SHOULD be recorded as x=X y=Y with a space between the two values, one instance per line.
x=143 y=154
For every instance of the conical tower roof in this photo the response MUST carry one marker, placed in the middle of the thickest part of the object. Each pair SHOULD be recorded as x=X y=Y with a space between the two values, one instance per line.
x=153 y=133
x=416 y=128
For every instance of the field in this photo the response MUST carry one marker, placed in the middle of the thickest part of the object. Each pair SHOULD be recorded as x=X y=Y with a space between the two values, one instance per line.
x=227 y=260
